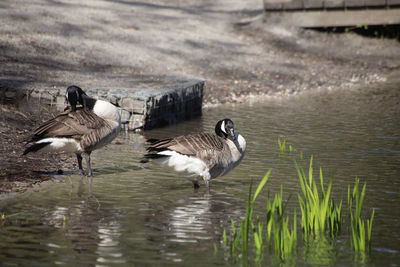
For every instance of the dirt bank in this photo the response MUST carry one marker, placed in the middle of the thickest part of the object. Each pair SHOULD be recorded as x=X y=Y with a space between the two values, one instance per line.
x=46 y=44
x=17 y=172
x=57 y=43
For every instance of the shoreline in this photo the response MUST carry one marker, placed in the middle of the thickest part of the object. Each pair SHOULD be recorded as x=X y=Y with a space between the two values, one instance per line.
x=27 y=185
x=242 y=57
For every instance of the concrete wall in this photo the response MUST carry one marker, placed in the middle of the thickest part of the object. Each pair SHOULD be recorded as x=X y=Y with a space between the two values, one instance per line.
x=153 y=102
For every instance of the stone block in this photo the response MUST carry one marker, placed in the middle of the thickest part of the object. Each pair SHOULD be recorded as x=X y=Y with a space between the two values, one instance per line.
x=136 y=122
x=132 y=105
x=60 y=102
x=113 y=99
x=125 y=115
x=145 y=101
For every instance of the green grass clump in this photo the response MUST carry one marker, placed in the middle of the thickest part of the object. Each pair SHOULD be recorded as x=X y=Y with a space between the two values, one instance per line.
x=282 y=145
x=241 y=234
x=321 y=222
x=276 y=226
x=318 y=211
x=357 y=225
x=285 y=239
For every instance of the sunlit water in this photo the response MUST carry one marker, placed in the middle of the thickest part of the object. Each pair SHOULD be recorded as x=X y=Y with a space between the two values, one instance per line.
x=141 y=214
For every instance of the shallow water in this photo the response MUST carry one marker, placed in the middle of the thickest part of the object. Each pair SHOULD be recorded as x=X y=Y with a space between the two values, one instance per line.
x=140 y=214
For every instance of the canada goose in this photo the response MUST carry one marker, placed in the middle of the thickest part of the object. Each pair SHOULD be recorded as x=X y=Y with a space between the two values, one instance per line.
x=78 y=130
x=201 y=155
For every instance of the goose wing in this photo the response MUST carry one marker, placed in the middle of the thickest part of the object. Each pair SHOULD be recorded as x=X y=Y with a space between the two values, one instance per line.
x=190 y=145
x=69 y=124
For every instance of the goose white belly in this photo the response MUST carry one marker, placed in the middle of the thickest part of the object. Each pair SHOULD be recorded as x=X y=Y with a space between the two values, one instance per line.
x=196 y=169
x=192 y=168
x=59 y=144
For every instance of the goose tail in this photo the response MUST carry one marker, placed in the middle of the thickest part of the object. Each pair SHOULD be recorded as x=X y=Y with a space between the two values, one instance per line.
x=152 y=156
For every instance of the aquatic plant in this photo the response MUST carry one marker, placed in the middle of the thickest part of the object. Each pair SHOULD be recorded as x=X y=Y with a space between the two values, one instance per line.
x=283 y=148
x=357 y=224
x=4 y=217
x=285 y=240
x=282 y=145
x=318 y=210
x=277 y=228
x=242 y=234
x=321 y=219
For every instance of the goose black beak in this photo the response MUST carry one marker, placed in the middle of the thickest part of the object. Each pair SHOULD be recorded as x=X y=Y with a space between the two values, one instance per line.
x=232 y=134
x=236 y=142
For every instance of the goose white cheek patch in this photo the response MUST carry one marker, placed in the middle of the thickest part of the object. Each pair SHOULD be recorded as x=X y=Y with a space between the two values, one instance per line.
x=223 y=127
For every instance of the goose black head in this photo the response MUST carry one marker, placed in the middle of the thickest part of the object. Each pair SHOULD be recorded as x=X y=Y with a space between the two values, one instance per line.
x=74 y=95
x=225 y=129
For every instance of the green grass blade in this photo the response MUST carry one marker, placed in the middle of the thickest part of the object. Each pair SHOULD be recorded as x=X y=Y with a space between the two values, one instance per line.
x=361 y=235
x=215 y=249
x=261 y=185
x=225 y=240
x=369 y=226
x=245 y=228
x=321 y=179
x=361 y=200
x=14 y=214
x=310 y=171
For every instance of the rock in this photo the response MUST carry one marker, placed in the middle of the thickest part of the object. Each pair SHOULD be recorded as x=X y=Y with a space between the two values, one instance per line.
x=125 y=116
x=136 y=106
x=10 y=94
x=136 y=122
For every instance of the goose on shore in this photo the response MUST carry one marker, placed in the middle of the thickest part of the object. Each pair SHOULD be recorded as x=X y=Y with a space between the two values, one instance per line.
x=202 y=155
x=78 y=130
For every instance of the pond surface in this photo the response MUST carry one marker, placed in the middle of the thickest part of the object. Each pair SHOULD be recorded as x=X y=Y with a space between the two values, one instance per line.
x=141 y=214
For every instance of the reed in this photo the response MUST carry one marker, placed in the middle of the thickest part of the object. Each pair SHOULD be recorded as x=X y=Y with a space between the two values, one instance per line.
x=234 y=244
x=240 y=234
x=360 y=241
x=283 y=148
x=275 y=233
x=285 y=239
x=277 y=228
x=282 y=145
x=318 y=210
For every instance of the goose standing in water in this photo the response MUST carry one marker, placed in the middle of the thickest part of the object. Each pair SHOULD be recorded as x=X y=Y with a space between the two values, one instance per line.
x=78 y=130
x=202 y=155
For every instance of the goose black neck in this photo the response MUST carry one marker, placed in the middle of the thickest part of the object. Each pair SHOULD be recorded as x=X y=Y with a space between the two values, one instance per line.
x=88 y=102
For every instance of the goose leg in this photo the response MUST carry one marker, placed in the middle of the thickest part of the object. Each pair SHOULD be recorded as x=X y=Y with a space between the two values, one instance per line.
x=207 y=179
x=196 y=185
x=87 y=157
x=90 y=186
x=79 y=158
